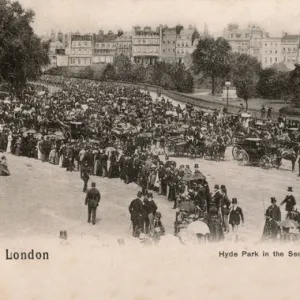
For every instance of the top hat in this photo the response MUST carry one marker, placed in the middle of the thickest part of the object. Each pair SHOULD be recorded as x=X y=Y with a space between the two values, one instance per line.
x=234 y=200
x=217 y=186
x=273 y=200
x=139 y=194
x=290 y=189
x=196 y=166
x=63 y=234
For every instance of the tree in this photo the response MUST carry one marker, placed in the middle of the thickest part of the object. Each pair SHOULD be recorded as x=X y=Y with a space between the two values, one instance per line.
x=122 y=67
x=294 y=85
x=273 y=84
x=22 y=54
x=211 y=57
x=109 y=72
x=244 y=75
x=138 y=73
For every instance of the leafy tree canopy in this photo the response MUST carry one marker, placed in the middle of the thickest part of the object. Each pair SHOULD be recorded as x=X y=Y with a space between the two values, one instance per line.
x=22 y=54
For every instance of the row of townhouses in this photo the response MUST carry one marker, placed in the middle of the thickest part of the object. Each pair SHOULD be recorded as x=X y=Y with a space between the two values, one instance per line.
x=142 y=45
x=147 y=46
x=269 y=50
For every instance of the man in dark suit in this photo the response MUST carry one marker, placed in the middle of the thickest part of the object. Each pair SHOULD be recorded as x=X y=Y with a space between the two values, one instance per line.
x=289 y=202
x=273 y=211
x=273 y=215
x=136 y=210
x=92 y=200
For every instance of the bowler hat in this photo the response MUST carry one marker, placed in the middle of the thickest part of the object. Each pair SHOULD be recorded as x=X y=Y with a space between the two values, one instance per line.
x=273 y=199
x=234 y=200
x=290 y=189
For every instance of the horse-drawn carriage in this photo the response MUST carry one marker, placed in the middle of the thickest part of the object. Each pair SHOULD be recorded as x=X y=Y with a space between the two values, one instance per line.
x=179 y=146
x=253 y=151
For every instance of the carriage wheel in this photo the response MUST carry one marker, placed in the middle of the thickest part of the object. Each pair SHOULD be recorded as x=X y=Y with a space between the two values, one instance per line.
x=243 y=158
x=236 y=152
x=265 y=162
x=193 y=152
x=170 y=148
x=274 y=160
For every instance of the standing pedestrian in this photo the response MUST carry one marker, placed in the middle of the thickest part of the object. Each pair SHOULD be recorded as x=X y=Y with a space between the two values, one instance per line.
x=235 y=217
x=85 y=176
x=92 y=200
x=136 y=210
x=289 y=202
x=273 y=216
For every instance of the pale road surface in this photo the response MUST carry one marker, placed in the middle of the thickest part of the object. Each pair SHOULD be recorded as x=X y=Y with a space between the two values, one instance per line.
x=39 y=198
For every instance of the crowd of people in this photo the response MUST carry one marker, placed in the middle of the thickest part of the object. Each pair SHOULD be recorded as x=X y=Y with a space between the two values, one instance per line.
x=117 y=131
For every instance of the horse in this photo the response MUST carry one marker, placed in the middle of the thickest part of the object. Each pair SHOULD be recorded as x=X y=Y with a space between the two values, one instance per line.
x=288 y=154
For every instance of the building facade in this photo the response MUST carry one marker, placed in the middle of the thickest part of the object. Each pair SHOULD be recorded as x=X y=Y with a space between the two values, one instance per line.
x=174 y=46
x=268 y=50
x=290 y=50
x=104 y=50
x=55 y=48
x=81 y=50
x=271 y=52
x=145 y=45
x=124 y=44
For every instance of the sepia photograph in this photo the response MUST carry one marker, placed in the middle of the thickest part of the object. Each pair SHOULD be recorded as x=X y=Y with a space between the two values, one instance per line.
x=149 y=150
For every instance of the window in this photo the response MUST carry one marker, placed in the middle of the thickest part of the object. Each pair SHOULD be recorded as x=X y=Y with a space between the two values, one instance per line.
x=73 y=60
x=173 y=50
x=164 y=50
x=85 y=43
x=275 y=51
x=270 y=59
x=164 y=42
x=266 y=59
x=168 y=42
x=266 y=44
x=79 y=44
x=271 y=51
x=275 y=59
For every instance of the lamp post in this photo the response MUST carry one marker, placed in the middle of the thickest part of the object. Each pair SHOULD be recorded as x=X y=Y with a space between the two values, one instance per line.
x=227 y=85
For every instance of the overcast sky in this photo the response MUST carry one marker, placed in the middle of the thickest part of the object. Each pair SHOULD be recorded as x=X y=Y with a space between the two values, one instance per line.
x=92 y=15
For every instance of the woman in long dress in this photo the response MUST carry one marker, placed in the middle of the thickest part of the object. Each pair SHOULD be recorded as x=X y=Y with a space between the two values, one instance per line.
x=39 y=150
x=8 y=148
